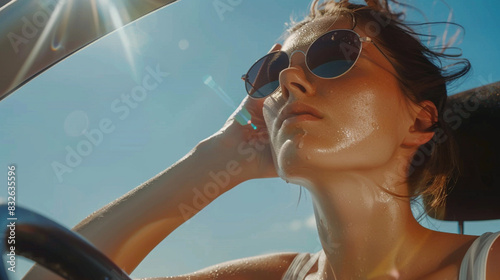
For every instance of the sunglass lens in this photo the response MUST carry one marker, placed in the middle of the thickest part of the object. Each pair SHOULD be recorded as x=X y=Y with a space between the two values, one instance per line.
x=263 y=77
x=334 y=53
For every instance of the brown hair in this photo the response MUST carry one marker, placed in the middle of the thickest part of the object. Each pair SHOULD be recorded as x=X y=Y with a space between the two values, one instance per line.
x=421 y=76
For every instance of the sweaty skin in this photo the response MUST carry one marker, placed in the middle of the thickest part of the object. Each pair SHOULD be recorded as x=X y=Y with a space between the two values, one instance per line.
x=361 y=145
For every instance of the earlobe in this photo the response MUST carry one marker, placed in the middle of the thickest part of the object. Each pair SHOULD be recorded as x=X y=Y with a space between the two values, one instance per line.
x=420 y=132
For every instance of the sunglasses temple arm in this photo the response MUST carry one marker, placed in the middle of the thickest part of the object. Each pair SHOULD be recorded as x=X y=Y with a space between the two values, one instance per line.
x=386 y=57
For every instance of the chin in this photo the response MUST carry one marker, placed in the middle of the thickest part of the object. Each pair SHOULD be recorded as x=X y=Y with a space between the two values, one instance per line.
x=296 y=160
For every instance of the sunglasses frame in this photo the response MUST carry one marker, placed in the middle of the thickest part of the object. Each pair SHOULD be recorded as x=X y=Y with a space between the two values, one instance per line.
x=361 y=39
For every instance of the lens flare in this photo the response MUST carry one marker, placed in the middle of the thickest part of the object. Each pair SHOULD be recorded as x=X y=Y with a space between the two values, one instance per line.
x=243 y=117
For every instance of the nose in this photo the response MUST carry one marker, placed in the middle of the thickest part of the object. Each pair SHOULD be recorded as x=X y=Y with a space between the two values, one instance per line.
x=293 y=80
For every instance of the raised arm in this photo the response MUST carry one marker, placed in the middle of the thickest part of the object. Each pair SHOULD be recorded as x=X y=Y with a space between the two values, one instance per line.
x=127 y=229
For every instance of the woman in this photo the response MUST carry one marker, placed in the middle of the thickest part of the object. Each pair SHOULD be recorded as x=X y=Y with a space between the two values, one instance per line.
x=361 y=128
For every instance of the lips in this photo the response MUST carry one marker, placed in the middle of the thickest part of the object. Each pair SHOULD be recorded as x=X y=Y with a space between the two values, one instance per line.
x=298 y=111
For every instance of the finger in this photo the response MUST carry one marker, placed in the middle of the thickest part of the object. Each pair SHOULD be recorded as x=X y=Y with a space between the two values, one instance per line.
x=276 y=47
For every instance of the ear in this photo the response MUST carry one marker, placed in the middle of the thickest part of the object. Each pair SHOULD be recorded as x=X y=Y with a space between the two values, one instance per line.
x=419 y=132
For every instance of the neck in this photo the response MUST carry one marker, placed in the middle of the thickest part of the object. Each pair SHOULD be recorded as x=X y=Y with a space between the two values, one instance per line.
x=365 y=232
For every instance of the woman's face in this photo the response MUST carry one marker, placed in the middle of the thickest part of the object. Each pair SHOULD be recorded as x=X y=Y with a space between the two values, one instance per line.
x=359 y=119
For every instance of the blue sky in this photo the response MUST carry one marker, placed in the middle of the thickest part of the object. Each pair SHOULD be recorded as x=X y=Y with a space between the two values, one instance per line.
x=187 y=40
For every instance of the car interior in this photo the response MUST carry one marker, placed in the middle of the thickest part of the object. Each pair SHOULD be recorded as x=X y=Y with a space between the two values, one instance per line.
x=474 y=115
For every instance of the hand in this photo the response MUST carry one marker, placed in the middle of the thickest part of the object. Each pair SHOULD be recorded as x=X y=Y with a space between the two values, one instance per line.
x=251 y=147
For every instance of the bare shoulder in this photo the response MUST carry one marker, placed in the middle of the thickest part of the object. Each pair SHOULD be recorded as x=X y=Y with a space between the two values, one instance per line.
x=492 y=267
x=270 y=266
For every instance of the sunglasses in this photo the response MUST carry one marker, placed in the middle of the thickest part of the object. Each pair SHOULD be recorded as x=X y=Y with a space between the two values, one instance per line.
x=330 y=56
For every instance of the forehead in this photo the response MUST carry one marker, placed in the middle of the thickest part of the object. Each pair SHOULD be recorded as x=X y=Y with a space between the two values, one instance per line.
x=304 y=36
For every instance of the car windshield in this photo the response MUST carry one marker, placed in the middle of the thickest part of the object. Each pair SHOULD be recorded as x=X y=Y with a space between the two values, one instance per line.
x=122 y=109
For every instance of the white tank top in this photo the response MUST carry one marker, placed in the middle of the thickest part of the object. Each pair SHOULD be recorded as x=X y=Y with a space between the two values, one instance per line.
x=473 y=265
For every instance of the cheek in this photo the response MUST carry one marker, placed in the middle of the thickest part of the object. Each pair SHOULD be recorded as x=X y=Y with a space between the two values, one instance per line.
x=270 y=112
x=368 y=127
x=356 y=120
x=360 y=131
x=269 y=115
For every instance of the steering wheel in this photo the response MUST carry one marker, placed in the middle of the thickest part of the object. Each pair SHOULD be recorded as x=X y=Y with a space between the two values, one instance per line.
x=53 y=246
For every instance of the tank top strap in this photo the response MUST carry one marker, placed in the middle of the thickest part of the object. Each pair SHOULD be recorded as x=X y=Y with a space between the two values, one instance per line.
x=300 y=266
x=473 y=265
